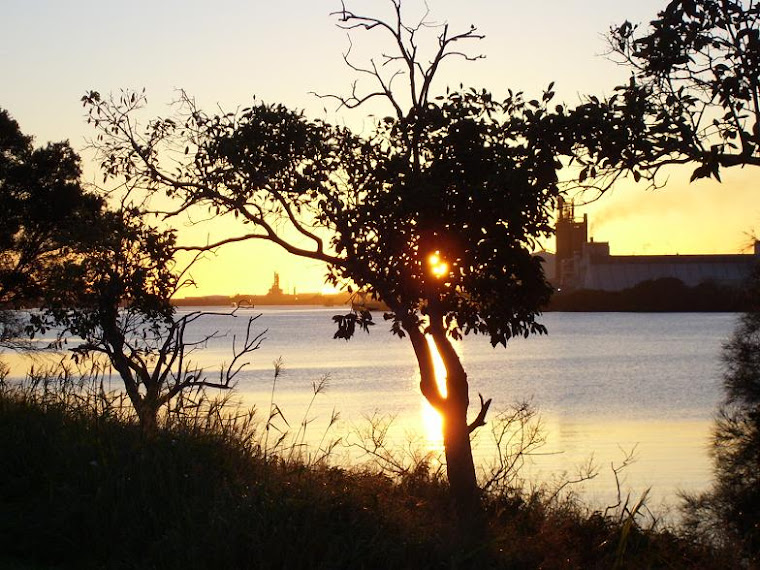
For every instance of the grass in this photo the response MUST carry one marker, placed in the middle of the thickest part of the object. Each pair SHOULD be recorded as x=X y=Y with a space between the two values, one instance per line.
x=82 y=487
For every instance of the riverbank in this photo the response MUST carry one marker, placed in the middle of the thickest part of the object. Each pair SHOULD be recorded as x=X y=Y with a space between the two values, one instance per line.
x=81 y=487
x=668 y=295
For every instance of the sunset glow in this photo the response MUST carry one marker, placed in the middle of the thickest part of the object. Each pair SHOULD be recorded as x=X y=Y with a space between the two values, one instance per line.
x=226 y=55
x=329 y=290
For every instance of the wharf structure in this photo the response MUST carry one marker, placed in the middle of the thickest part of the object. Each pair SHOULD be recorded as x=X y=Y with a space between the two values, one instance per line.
x=582 y=263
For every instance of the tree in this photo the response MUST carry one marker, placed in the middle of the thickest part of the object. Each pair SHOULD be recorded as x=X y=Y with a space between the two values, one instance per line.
x=730 y=511
x=436 y=212
x=116 y=298
x=101 y=275
x=46 y=211
x=693 y=96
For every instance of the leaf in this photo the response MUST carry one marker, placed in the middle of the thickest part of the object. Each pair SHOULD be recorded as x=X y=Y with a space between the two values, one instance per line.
x=700 y=172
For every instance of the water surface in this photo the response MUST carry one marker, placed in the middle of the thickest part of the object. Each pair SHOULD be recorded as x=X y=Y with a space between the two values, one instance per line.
x=604 y=383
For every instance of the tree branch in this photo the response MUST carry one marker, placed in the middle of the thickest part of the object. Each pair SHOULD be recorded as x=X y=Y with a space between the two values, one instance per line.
x=480 y=420
x=404 y=38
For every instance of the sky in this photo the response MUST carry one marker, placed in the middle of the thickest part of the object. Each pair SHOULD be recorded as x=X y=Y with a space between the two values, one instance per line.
x=226 y=51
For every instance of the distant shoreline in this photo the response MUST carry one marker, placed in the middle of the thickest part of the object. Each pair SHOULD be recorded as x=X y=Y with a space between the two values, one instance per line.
x=305 y=299
x=666 y=295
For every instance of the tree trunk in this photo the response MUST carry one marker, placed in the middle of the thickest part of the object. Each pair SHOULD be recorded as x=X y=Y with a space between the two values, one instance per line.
x=146 y=406
x=148 y=416
x=460 y=467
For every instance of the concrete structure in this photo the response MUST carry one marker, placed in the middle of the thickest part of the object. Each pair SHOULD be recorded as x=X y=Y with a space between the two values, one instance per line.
x=585 y=264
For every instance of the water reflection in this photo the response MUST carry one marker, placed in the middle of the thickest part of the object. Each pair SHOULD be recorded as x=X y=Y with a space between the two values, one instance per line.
x=670 y=456
x=432 y=424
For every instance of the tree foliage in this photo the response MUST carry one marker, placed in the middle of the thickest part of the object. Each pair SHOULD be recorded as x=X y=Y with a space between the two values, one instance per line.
x=460 y=180
x=693 y=96
x=730 y=511
x=103 y=278
x=46 y=212
x=129 y=266
x=116 y=299
x=466 y=176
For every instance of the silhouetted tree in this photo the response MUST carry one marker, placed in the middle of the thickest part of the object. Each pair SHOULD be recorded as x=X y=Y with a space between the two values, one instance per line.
x=730 y=511
x=103 y=276
x=12 y=330
x=435 y=212
x=116 y=298
x=46 y=212
x=693 y=96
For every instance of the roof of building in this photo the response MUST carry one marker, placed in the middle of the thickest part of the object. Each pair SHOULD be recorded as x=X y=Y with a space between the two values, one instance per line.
x=614 y=273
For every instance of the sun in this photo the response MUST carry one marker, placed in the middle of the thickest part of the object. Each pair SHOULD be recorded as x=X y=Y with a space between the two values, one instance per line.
x=438 y=267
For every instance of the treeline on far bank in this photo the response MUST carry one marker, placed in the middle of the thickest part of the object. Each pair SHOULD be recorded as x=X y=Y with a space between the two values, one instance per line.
x=659 y=295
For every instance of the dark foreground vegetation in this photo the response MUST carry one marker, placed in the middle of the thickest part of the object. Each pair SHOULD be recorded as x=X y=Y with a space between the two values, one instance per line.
x=82 y=486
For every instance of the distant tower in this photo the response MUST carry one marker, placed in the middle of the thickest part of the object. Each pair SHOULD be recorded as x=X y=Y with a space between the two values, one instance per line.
x=571 y=235
x=275 y=290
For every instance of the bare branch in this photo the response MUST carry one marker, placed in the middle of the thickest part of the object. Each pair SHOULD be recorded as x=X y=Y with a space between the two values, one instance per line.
x=404 y=38
x=480 y=420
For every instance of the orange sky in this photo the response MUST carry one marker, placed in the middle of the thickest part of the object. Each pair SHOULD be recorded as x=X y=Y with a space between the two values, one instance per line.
x=51 y=52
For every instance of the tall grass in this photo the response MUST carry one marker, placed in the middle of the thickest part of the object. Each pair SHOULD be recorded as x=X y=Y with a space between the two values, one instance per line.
x=81 y=486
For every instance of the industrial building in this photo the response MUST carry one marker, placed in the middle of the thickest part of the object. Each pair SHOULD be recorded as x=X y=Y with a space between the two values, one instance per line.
x=581 y=263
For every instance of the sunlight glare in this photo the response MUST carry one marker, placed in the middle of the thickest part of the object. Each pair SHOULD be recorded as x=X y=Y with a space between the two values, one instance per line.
x=432 y=424
x=438 y=267
x=438 y=366
x=431 y=419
